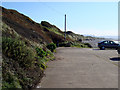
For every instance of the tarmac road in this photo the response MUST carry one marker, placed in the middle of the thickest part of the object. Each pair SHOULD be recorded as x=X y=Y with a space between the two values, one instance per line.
x=82 y=68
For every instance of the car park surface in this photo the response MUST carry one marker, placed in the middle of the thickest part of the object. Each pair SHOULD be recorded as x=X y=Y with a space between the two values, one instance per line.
x=82 y=68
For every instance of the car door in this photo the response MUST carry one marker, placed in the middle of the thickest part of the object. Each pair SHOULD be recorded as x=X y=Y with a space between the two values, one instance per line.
x=112 y=44
x=106 y=44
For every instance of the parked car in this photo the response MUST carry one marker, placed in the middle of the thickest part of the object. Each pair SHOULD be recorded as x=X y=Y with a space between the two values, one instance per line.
x=107 y=44
x=118 y=50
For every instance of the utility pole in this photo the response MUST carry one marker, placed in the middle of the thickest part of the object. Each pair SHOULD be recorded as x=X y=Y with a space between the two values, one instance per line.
x=65 y=27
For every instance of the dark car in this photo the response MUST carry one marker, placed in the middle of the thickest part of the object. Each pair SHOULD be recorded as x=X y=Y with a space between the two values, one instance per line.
x=118 y=50
x=107 y=44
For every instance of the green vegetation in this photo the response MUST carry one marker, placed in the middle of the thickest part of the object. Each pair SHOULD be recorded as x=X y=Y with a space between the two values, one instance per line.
x=46 y=24
x=65 y=44
x=11 y=81
x=75 y=44
x=17 y=50
x=81 y=45
x=55 y=30
x=20 y=60
x=27 y=46
x=52 y=29
x=88 y=45
x=48 y=27
x=41 y=52
x=43 y=57
x=51 y=47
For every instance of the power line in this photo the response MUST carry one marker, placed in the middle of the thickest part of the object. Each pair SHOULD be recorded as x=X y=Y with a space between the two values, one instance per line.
x=53 y=9
x=61 y=14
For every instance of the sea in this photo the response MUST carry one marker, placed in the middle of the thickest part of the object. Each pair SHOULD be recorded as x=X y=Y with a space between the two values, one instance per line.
x=113 y=38
x=94 y=43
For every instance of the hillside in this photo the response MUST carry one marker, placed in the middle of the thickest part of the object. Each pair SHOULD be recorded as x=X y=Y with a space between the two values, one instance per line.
x=27 y=46
x=29 y=29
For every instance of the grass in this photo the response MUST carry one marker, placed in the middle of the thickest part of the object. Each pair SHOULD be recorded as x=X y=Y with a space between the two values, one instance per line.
x=56 y=31
x=52 y=29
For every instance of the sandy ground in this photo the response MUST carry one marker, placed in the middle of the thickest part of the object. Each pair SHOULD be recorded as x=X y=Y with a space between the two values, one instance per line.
x=82 y=68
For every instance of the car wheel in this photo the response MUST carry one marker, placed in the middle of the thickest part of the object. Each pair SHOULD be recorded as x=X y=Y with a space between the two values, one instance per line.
x=117 y=48
x=118 y=51
x=102 y=48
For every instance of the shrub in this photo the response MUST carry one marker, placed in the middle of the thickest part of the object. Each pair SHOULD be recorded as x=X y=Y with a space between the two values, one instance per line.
x=11 y=81
x=41 y=52
x=49 y=53
x=18 y=51
x=88 y=45
x=80 y=40
x=51 y=47
x=46 y=24
x=65 y=44
x=43 y=66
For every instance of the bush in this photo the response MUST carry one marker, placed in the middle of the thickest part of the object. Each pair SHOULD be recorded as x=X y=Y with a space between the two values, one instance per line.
x=87 y=44
x=80 y=40
x=46 y=24
x=11 y=82
x=41 y=52
x=18 y=51
x=51 y=47
x=65 y=44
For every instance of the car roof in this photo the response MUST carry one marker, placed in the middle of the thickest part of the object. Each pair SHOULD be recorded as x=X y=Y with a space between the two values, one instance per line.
x=105 y=41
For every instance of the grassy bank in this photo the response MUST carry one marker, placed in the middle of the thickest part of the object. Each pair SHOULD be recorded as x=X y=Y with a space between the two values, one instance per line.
x=23 y=65
x=27 y=46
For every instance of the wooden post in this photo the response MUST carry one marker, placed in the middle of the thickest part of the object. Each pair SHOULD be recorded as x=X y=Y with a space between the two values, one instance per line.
x=65 y=27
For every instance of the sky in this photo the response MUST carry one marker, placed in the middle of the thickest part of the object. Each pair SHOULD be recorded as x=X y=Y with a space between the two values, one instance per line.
x=86 y=18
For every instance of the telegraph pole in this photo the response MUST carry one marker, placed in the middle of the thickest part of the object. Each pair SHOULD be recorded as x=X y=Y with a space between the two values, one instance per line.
x=65 y=27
